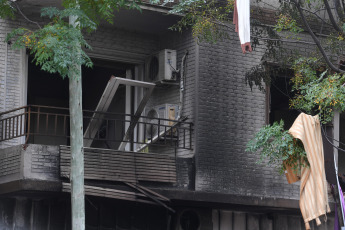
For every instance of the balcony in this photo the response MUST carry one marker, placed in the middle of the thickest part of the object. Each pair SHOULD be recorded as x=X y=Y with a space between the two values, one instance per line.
x=35 y=147
x=50 y=126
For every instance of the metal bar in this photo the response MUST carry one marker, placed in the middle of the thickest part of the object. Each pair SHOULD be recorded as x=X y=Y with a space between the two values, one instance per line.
x=107 y=129
x=190 y=135
x=28 y=127
x=1 y=129
x=171 y=136
x=165 y=135
x=151 y=131
x=5 y=129
x=13 y=127
x=47 y=121
x=184 y=138
x=159 y=126
x=13 y=110
x=55 y=126
x=64 y=125
x=150 y=196
x=21 y=125
x=115 y=122
x=145 y=127
x=17 y=124
x=138 y=131
x=154 y=139
x=38 y=120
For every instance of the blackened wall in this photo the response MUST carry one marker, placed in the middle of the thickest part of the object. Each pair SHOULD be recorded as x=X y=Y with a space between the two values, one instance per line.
x=228 y=114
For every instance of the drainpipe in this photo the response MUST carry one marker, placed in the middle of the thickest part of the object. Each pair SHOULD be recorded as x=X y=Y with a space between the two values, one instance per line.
x=182 y=82
x=5 y=75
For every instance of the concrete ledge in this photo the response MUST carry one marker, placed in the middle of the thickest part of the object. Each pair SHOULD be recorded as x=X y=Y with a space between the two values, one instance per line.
x=27 y=185
x=235 y=202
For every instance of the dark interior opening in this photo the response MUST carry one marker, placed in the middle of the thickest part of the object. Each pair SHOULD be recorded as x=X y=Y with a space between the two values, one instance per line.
x=280 y=94
x=51 y=90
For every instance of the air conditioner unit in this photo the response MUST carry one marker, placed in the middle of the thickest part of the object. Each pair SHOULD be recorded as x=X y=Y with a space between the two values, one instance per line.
x=160 y=66
x=164 y=111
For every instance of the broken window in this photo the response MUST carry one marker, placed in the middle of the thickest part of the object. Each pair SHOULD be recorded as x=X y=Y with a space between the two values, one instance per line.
x=278 y=96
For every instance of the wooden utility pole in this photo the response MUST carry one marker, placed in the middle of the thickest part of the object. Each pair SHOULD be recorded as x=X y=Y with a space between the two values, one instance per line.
x=77 y=145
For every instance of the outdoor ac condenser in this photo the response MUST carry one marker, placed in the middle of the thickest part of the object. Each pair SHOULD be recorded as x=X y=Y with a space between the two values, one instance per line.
x=164 y=111
x=160 y=66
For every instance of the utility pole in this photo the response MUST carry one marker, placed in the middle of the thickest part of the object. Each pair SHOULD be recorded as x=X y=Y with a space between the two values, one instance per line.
x=77 y=144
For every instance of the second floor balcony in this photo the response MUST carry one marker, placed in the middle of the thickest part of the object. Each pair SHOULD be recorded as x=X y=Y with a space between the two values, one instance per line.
x=47 y=125
x=119 y=148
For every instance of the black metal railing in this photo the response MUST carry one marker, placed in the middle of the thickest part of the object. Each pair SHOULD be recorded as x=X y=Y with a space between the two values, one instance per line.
x=50 y=125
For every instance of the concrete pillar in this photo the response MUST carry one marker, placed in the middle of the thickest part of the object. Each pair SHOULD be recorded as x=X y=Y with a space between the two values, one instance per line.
x=21 y=215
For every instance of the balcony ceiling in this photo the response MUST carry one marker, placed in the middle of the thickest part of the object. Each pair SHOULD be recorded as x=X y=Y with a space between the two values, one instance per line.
x=153 y=20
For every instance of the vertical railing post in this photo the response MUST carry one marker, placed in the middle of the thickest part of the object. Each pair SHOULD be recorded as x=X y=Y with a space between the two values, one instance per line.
x=190 y=135
x=28 y=122
x=38 y=120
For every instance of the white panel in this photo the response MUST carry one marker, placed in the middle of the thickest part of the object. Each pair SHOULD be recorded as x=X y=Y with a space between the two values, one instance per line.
x=128 y=109
x=239 y=221
x=225 y=220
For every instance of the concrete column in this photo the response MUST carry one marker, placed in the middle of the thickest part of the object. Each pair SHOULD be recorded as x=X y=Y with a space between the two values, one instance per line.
x=21 y=215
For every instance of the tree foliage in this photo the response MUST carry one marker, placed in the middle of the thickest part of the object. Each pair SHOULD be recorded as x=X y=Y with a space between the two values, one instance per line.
x=205 y=17
x=276 y=144
x=7 y=9
x=56 y=44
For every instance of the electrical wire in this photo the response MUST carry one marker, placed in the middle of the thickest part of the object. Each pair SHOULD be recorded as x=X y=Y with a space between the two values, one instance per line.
x=287 y=95
x=324 y=133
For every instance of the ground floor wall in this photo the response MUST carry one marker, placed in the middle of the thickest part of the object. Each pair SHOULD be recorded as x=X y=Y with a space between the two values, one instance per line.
x=53 y=213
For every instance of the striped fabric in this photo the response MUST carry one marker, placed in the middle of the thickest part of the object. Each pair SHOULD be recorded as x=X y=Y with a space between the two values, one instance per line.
x=313 y=192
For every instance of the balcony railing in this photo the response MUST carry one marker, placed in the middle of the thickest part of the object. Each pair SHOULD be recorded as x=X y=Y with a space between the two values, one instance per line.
x=50 y=125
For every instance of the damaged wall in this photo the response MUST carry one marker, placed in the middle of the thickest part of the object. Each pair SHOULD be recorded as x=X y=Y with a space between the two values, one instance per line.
x=228 y=114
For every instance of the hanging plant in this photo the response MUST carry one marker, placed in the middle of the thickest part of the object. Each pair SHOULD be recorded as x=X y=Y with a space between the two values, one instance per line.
x=278 y=146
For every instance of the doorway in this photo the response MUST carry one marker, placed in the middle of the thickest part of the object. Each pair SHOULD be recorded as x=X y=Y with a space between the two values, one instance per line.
x=45 y=89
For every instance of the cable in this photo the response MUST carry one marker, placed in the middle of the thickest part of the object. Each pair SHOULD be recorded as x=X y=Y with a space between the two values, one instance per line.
x=172 y=66
x=287 y=95
x=340 y=149
x=335 y=139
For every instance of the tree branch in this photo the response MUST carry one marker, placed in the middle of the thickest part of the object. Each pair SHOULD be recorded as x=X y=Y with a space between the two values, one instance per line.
x=24 y=16
x=331 y=18
x=316 y=40
x=318 y=16
x=283 y=40
x=338 y=7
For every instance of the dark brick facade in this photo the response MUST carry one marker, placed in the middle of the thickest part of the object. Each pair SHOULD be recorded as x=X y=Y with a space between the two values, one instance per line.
x=228 y=115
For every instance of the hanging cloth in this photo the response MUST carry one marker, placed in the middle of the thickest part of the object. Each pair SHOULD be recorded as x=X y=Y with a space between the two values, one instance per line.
x=241 y=19
x=313 y=191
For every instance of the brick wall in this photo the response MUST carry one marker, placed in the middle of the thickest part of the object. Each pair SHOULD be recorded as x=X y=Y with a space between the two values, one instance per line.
x=10 y=162
x=11 y=75
x=44 y=162
x=228 y=115
x=38 y=162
